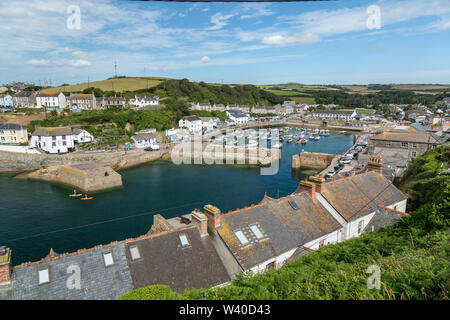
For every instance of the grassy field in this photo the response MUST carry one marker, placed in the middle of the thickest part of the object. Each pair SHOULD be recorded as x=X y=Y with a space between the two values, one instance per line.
x=118 y=84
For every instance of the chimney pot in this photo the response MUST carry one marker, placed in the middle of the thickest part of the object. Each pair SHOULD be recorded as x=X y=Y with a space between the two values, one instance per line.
x=309 y=187
x=213 y=213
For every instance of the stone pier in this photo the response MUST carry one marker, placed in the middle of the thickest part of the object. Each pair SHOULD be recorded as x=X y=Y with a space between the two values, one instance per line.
x=312 y=160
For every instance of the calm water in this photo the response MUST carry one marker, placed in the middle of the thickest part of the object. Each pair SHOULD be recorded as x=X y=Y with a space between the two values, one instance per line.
x=36 y=216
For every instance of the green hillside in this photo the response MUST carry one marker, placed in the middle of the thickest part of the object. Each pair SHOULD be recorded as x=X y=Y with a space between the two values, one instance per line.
x=113 y=84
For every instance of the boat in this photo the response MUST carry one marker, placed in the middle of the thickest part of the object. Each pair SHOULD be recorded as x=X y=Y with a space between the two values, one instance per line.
x=342 y=132
x=289 y=140
x=301 y=141
x=87 y=198
x=277 y=145
x=75 y=194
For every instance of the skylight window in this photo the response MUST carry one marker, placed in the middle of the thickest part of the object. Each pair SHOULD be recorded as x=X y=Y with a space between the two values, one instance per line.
x=241 y=236
x=134 y=251
x=44 y=277
x=258 y=234
x=293 y=204
x=184 y=240
x=108 y=258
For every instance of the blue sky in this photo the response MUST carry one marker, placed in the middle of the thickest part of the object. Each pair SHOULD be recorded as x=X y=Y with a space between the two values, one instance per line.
x=260 y=43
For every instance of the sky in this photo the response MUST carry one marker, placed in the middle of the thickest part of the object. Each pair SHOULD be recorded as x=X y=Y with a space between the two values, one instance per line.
x=329 y=42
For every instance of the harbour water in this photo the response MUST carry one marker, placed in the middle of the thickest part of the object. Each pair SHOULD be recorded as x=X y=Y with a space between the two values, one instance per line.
x=36 y=216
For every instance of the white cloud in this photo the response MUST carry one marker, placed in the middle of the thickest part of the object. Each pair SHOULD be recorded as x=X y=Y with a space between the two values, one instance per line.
x=205 y=59
x=441 y=25
x=80 y=63
x=257 y=10
x=219 y=21
x=40 y=63
x=280 y=40
x=79 y=54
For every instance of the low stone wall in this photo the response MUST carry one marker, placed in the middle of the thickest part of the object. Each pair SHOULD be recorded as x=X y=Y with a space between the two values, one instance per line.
x=312 y=160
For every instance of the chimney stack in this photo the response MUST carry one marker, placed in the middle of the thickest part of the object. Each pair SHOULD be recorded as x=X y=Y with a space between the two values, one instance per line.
x=308 y=186
x=375 y=164
x=5 y=266
x=202 y=220
x=213 y=213
x=318 y=181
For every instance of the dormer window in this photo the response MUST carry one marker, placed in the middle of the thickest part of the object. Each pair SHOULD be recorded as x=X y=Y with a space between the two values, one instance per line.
x=258 y=234
x=134 y=251
x=241 y=236
x=44 y=276
x=108 y=259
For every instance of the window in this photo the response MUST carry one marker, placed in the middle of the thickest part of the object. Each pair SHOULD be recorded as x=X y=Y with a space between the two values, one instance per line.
x=44 y=276
x=321 y=243
x=388 y=143
x=54 y=138
x=414 y=145
x=433 y=146
x=414 y=154
x=184 y=240
x=108 y=259
x=64 y=143
x=270 y=266
x=404 y=144
x=64 y=137
x=293 y=204
x=360 y=226
x=241 y=236
x=53 y=144
x=258 y=234
x=134 y=251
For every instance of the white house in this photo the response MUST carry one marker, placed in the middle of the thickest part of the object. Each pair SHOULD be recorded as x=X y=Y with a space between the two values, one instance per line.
x=278 y=230
x=192 y=123
x=53 y=140
x=11 y=133
x=335 y=114
x=82 y=136
x=144 y=140
x=237 y=116
x=144 y=101
x=210 y=123
x=57 y=100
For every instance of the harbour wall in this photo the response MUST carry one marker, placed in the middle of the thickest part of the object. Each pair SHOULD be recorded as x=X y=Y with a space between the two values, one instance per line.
x=312 y=160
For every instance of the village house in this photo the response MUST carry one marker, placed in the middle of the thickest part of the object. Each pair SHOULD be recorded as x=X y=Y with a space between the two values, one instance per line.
x=144 y=140
x=415 y=143
x=267 y=235
x=289 y=107
x=335 y=114
x=6 y=101
x=192 y=123
x=24 y=99
x=82 y=101
x=237 y=116
x=144 y=101
x=219 y=107
x=82 y=136
x=11 y=133
x=210 y=123
x=46 y=99
x=53 y=139
x=110 y=102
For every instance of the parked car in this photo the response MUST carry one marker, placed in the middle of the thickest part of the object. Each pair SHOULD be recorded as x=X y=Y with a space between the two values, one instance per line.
x=148 y=149
x=330 y=174
x=337 y=168
x=359 y=148
x=345 y=161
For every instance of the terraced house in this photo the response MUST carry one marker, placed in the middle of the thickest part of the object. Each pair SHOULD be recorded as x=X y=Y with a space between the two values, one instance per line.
x=11 y=133
x=24 y=99
x=82 y=101
x=47 y=99
x=415 y=143
x=211 y=247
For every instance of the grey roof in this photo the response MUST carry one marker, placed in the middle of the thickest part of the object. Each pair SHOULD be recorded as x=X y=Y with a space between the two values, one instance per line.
x=349 y=112
x=52 y=131
x=383 y=217
x=283 y=228
x=97 y=281
x=10 y=126
x=237 y=113
x=165 y=261
x=23 y=94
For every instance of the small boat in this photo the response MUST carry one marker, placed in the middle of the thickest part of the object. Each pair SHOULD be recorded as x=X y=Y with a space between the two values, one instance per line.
x=75 y=194
x=301 y=141
x=289 y=140
x=277 y=145
x=342 y=132
x=87 y=198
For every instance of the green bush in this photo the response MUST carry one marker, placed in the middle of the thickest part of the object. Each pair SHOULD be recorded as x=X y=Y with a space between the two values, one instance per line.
x=155 y=292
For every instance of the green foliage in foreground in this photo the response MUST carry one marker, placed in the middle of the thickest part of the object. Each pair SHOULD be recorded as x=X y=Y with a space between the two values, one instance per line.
x=413 y=257
x=157 y=292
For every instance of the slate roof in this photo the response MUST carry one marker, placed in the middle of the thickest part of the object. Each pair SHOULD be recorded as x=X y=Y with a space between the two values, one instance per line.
x=23 y=94
x=97 y=281
x=359 y=195
x=348 y=112
x=10 y=126
x=414 y=137
x=384 y=217
x=283 y=228
x=48 y=94
x=52 y=131
x=237 y=113
x=164 y=261
x=191 y=118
